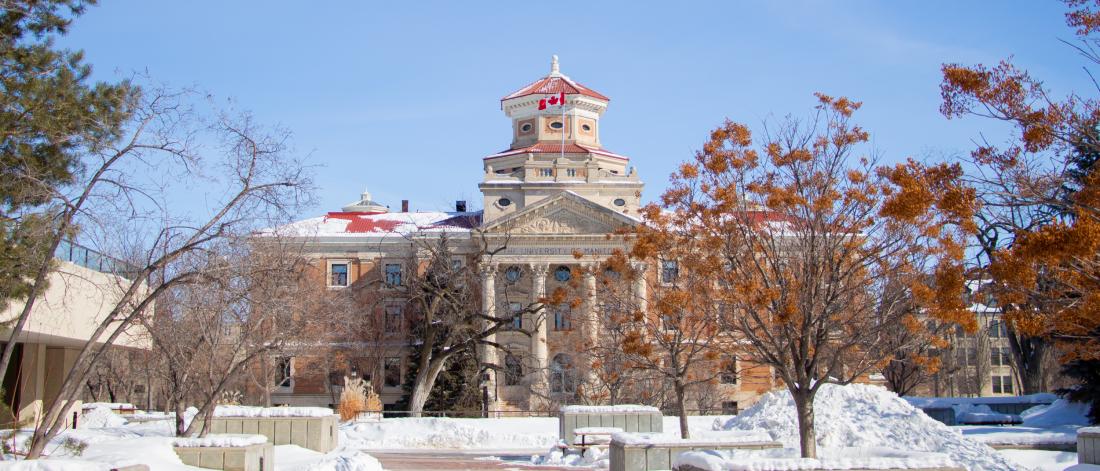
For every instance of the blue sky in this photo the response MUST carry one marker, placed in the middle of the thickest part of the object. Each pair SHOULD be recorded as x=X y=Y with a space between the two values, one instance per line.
x=403 y=97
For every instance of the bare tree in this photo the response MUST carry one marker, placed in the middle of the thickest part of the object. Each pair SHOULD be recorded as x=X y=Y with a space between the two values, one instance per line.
x=121 y=200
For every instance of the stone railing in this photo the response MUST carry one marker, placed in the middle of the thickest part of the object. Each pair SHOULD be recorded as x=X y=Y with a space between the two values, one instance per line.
x=643 y=452
x=1088 y=445
x=628 y=418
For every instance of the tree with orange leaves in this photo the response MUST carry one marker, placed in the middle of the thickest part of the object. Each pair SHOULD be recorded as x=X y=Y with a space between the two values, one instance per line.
x=802 y=238
x=1043 y=193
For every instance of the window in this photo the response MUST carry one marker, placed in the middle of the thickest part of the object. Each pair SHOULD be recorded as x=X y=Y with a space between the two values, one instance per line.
x=504 y=202
x=512 y=274
x=997 y=330
x=283 y=370
x=570 y=172
x=395 y=317
x=393 y=274
x=338 y=274
x=586 y=127
x=563 y=274
x=556 y=125
x=513 y=370
x=668 y=323
x=968 y=356
x=515 y=309
x=1002 y=384
x=546 y=172
x=998 y=356
x=729 y=372
x=526 y=127
x=561 y=374
x=619 y=202
x=730 y=408
x=670 y=270
x=562 y=319
x=392 y=372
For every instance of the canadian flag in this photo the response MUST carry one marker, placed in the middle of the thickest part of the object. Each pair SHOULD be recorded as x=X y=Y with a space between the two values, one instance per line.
x=552 y=101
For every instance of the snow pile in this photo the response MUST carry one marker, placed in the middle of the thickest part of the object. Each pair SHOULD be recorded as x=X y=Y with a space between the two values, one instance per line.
x=785 y=459
x=234 y=440
x=454 y=434
x=1061 y=412
x=100 y=417
x=250 y=411
x=346 y=460
x=622 y=408
x=53 y=465
x=938 y=402
x=593 y=457
x=865 y=416
x=977 y=414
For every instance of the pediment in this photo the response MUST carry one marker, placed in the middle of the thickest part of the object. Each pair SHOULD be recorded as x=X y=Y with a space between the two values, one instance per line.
x=566 y=213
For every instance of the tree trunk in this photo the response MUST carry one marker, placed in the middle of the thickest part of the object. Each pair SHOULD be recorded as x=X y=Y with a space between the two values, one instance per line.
x=181 y=424
x=422 y=387
x=807 y=437
x=680 y=393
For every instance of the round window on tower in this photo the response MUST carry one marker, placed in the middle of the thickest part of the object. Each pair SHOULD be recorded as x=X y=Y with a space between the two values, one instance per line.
x=503 y=202
x=526 y=127
x=556 y=125
x=586 y=127
x=619 y=202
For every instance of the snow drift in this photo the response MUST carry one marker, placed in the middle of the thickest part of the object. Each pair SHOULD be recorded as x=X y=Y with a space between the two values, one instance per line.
x=865 y=416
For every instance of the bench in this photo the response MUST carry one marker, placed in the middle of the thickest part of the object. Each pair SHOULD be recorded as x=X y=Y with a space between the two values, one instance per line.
x=589 y=436
x=652 y=451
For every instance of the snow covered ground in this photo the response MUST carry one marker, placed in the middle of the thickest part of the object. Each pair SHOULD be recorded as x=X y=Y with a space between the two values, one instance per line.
x=106 y=440
x=1055 y=424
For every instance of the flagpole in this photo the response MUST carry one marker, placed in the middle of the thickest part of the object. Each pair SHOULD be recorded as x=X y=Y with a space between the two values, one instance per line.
x=563 y=128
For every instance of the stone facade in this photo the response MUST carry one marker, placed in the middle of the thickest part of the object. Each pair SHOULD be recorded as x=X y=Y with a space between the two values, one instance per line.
x=553 y=194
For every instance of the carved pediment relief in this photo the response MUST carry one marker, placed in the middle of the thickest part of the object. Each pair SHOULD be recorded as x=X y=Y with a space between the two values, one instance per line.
x=560 y=221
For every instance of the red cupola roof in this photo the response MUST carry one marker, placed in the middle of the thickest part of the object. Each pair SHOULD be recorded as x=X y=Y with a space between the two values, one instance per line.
x=555 y=83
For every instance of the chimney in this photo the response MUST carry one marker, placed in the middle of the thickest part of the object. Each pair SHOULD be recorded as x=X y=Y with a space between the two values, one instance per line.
x=404 y=206
x=460 y=206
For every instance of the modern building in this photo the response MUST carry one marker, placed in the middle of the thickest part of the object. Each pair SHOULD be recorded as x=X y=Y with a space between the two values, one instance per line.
x=82 y=291
x=554 y=193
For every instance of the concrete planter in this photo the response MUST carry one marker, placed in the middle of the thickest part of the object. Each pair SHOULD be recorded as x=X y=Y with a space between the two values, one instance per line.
x=1088 y=445
x=629 y=421
x=244 y=458
x=316 y=433
x=651 y=455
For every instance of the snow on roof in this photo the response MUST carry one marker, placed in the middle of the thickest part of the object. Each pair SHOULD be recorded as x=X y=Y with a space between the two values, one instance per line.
x=980 y=308
x=355 y=224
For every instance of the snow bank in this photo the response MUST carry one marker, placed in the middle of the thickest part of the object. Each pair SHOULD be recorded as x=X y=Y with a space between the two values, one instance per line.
x=1061 y=412
x=220 y=440
x=99 y=417
x=346 y=460
x=622 y=408
x=697 y=437
x=829 y=458
x=454 y=434
x=249 y=411
x=981 y=414
x=865 y=416
x=53 y=465
x=925 y=402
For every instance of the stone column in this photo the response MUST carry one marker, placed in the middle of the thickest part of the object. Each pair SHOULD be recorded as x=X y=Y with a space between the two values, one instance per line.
x=591 y=320
x=641 y=300
x=487 y=355
x=539 y=320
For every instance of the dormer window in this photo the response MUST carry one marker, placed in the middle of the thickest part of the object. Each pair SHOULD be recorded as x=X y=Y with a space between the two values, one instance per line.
x=556 y=125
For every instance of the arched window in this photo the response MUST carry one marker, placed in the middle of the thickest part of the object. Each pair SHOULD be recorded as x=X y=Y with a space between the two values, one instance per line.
x=561 y=374
x=513 y=370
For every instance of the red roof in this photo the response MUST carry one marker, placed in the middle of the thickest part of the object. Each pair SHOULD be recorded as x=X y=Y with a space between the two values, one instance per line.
x=553 y=84
x=362 y=222
x=545 y=147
